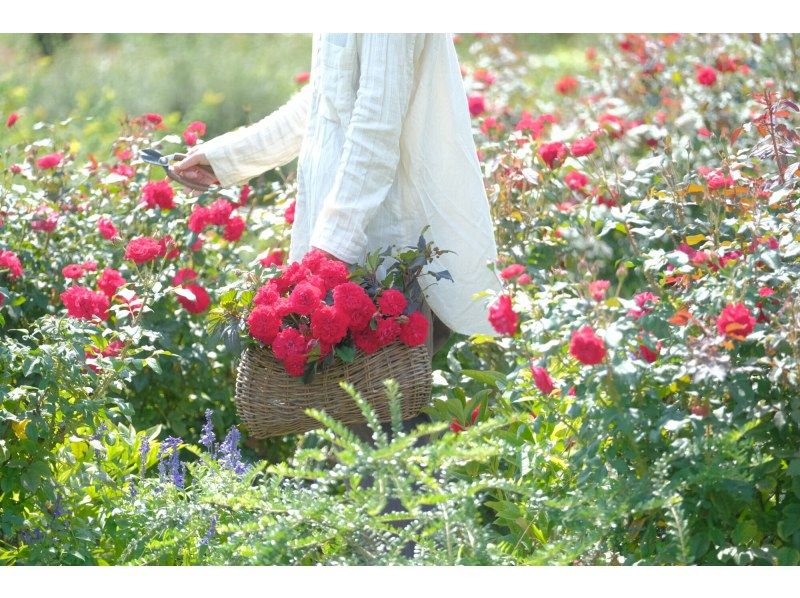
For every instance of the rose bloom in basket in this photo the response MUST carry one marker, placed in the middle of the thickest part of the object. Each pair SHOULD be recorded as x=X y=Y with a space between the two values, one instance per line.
x=313 y=310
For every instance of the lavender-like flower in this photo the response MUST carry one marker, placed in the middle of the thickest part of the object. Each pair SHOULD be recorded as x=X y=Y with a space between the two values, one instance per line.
x=169 y=449
x=230 y=457
x=144 y=450
x=208 y=439
x=58 y=511
x=212 y=529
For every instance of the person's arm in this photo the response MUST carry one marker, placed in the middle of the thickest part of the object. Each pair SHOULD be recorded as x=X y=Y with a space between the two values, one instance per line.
x=371 y=151
x=239 y=155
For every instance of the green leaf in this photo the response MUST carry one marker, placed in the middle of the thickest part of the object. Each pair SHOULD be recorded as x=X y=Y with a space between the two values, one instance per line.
x=347 y=353
x=489 y=377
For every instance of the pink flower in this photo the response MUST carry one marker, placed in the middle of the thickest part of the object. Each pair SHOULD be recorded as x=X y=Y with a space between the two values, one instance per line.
x=72 y=271
x=234 y=229
x=9 y=261
x=158 y=194
x=502 y=316
x=50 y=161
x=85 y=304
x=302 y=77
x=735 y=321
x=512 y=271
x=12 y=118
x=566 y=85
x=542 y=379
x=107 y=228
x=587 y=347
x=553 y=154
x=576 y=180
x=583 y=147
x=706 y=75
x=477 y=105
x=642 y=309
x=142 y=249
x=200 y=302
x=598 y=289
x=110 y=281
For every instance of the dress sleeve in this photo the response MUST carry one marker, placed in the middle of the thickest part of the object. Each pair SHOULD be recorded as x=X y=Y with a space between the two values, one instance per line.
x=240 y=155
x=371 y=149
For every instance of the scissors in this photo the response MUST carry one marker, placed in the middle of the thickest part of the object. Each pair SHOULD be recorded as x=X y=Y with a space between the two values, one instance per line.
x=152 y=156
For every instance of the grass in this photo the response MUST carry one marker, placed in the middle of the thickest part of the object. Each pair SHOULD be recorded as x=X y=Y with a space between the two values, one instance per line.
x=225 y=80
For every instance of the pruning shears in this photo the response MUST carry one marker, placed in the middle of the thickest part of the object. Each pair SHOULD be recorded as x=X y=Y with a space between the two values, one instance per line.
x=152 y=156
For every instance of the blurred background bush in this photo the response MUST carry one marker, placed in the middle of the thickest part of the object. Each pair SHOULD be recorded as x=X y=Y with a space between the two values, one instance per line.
x=226 y=80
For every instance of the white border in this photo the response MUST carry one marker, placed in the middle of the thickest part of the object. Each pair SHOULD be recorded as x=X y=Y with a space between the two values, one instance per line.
x=258 y=16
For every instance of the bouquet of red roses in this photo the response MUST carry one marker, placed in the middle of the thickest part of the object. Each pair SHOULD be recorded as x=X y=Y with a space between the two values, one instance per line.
x=314 y=310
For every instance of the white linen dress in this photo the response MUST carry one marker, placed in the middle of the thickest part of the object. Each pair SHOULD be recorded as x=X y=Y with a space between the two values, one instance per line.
x=385 y=147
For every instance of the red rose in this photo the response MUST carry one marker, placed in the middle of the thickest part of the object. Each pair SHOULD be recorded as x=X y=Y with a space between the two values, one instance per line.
x=542 y=380
x=302 y=77
x=648 y=354
x=89 y=266
x=275 y=258
x=524 y=279
x=765 y=292
x=288 y=215
x=158 y=194
x=583 y=147
x=244 y=193
x=183 y=275
x=50 y=160
x=46 y=219
x=295 y=364
x=477 y=105
x=200 y=302
x=15 y=169
x=109 y=281
x=107 y=228
x=457 y=427
x=576 y=180
x=388 y=330
x=717 y=180
x=329 y=324
x=512 y=271
x=642 y=309
x=598 y=289
x=198 y=219
x=706 y=75
x=219 y=212
x=263 y=324
x=305 y=298
x=123 y=170
x=85 y=304
x=142 y=249
x=367 y=340
x=587 y=347
x=267 y=294
x=415 y=331
x=169 y=248
x=553 y=153
x=354 y=301
x=392 y=302
x=333 y=273
x=12 y=118
x=735 y=321
x=9 y=261
x=72 y=271
x=566 y=85
x=483 y=76
x=194 y=130
x=153 y=118
x=502 y=316
x=234 y=229
x=288 y=341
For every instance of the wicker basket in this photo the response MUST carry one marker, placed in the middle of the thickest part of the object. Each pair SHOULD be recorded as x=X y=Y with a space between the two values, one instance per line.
x=272 y=403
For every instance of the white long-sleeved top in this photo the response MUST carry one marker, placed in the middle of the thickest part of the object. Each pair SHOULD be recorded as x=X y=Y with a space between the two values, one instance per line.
x=385 y=148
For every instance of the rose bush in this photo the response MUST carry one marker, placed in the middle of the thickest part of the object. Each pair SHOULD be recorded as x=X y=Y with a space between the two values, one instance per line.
x=640 y=406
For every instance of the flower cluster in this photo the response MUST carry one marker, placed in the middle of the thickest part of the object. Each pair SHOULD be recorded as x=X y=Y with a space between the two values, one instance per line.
x=311 y=307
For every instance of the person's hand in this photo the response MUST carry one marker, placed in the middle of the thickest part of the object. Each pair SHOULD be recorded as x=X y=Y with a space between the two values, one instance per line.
x=196 y=168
